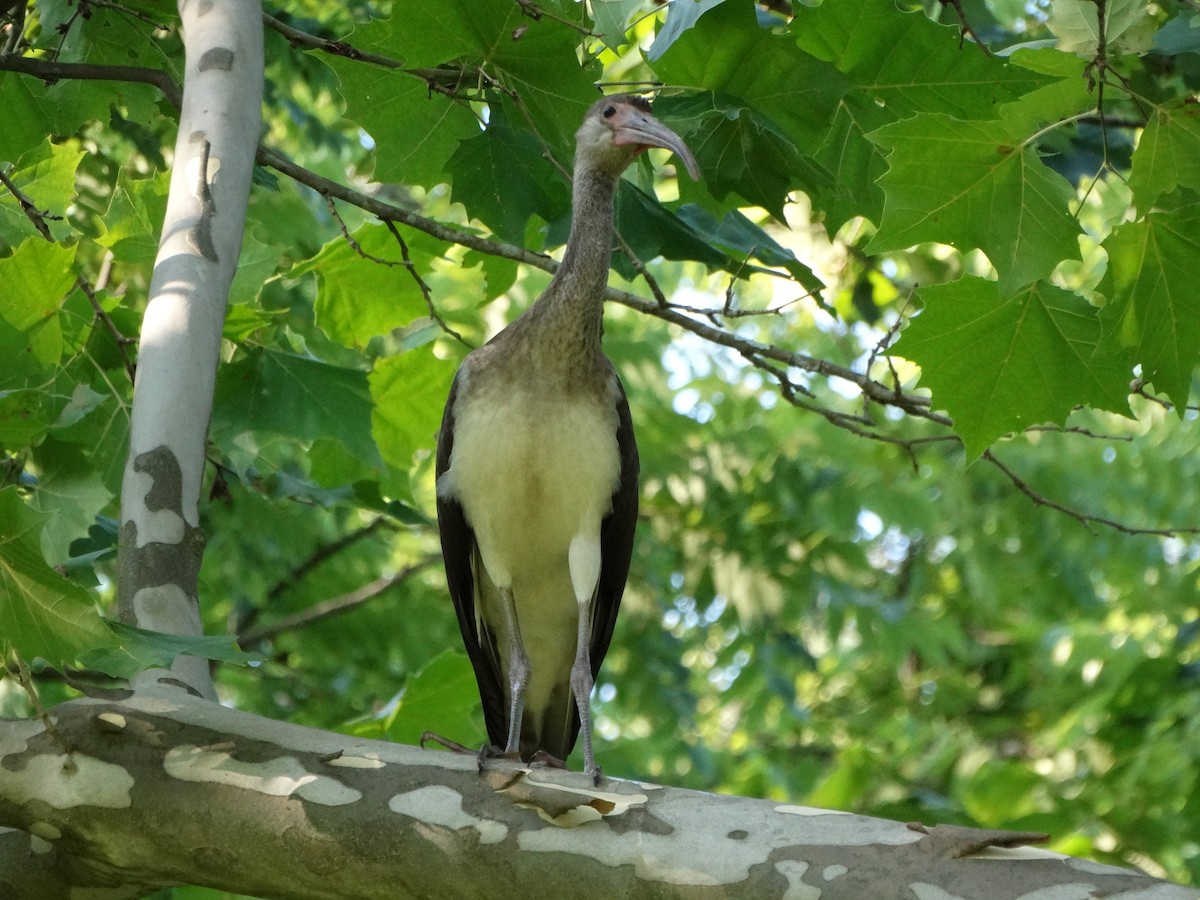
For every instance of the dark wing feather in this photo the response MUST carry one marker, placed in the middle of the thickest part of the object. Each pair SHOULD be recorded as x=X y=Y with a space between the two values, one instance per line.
x=461 y=556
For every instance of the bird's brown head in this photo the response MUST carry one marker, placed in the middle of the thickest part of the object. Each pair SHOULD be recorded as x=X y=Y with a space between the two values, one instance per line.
x=618 y=128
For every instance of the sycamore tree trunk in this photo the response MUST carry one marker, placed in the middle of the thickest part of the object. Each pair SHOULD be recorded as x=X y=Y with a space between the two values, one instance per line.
x=161 y=544
x=113 y=797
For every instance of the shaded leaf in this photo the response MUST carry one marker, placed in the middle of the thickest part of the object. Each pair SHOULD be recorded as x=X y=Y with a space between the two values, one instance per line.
x=502 y=179
x=42 y=614
x=301 y=399
x=976 y=185
x=1167 y=154
x=415 y=130
x=134 y=649
x=359 y=297
x=1153 y=313
x=999 y=364
x=409 y=392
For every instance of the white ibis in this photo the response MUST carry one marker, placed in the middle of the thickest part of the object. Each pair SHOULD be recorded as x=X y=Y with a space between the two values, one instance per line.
x=537 y=473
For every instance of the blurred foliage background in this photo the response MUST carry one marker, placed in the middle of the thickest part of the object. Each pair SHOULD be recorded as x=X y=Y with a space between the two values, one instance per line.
x=831 y=601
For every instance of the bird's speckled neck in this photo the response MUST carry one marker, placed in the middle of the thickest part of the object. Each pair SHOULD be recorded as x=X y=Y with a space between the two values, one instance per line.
x=569 y=316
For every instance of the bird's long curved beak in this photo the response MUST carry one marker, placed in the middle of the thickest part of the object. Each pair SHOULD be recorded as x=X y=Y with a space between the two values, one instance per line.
x=636 y=128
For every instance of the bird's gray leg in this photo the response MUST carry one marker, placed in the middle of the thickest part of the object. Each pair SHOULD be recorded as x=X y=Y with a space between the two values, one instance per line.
x=584 y=560
x=518 y=671
x=581 y=687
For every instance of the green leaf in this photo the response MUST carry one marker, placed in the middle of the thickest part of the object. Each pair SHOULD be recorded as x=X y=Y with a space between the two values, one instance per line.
x=134 y=649
x=409 y=391
x=736 y=234
x=976 y=185
x=358 y=297
x=441 y=698
x=502 y=179
x=652 y=230
x=1128 y=26
x=70 y=492
x=27 y=121
x=135 y=216
x=46 y=177
x=537 y=58
x=611 y=19
x=1167 y=154
x=999 y=364
x=37 y=278
x=42 y=614
x=741 y=151
x=680 y=17
x=297 y=398
x=415 y=130
x=794 y=90
x=1153 y=313
x=898 y=64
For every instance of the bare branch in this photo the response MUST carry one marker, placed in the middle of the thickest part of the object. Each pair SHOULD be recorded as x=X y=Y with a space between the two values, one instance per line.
x=119 y=339
x=333 y=606
x=1085 y=519
x=51 y=72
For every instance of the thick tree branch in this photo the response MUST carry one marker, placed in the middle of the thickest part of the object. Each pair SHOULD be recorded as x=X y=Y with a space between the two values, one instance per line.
x=250 y=798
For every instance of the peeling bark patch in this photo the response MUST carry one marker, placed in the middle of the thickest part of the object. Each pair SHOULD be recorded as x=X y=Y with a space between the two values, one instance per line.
x=832 y=872
x=283 y=776
x=559 y=804
x=66 y=781
x=442 y=806
x=199 y=236
x=39 y=846
x=220 y=58
x=370 y=761
x=46 y=831
x=844 y=828
x=166 y=488
x=170 y=551
x=111 y=722
x=655 y=857
x=793 y=870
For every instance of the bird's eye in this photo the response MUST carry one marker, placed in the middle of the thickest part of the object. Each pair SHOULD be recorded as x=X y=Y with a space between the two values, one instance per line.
x=609 y=112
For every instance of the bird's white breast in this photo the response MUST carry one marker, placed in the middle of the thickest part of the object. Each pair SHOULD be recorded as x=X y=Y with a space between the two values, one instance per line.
x=532 y=473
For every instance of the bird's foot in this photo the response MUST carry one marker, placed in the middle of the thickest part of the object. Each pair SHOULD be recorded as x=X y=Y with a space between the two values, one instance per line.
x=542 y=758
x=453 y=746
x=490 y=751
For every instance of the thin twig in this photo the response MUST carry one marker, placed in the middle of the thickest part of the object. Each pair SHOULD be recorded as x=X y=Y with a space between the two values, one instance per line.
x=125 y=10
x=36 y=216
x=1085 y=519
x=424 y=288
x=333 y=606
x=965 y=28
x=25 y=680
x=119 y=339
x=535 y=12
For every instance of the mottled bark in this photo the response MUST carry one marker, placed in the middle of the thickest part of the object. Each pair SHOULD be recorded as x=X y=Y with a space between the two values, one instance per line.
x=161 y=542
x=165 y=788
